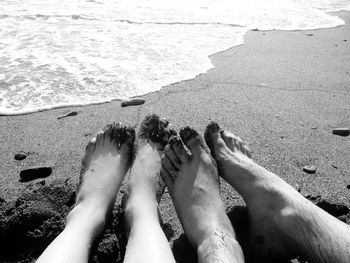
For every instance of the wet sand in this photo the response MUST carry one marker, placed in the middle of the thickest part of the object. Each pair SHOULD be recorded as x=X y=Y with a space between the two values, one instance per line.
x=282 y=92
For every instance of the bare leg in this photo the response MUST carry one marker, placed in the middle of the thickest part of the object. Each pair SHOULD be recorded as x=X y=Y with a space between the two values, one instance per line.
x=283 y=221
x=107 y=159
x=147 y=241
x=192 y=178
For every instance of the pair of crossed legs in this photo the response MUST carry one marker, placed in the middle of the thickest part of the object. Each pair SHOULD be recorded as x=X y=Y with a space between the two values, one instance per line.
x=288 y=222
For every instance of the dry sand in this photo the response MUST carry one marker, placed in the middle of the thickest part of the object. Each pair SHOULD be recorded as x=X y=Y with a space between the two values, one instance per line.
x=282 y=92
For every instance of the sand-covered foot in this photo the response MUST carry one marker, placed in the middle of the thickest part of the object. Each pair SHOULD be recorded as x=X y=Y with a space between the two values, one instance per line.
x=147 y=241
x=269 y=199
x=107 y=158
x=145 y=186
x=191 y=176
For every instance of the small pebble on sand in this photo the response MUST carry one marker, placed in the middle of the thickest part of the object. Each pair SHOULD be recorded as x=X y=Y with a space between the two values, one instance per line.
x=132 y=102
x=348 y=186
x=310 y=169
x=32 y=173
x=73 y=113
x=345 y=131
x=20 y=156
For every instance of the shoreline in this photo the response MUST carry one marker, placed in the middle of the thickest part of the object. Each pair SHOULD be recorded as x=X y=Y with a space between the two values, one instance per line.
x=282 y=92
x=336 y=13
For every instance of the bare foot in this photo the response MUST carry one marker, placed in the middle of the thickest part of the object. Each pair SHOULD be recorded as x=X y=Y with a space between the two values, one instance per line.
x=147 y=242
x=107 y=158
x=106 y=161
x=268 y=197
x=284 y=224
x=192 y=179
x=145 y=183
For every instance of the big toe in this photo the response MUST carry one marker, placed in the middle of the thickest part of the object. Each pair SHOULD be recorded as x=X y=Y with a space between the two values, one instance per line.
x=214 y=139
x=191 y=139
x=175 y=155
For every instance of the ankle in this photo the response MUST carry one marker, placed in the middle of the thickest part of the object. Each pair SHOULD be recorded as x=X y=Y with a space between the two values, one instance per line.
x=219 y=243
x=90 y=218
x=216 y=226
x=138 y=208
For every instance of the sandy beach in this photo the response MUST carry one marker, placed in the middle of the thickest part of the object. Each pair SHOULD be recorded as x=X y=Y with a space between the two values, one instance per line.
x=282 y=92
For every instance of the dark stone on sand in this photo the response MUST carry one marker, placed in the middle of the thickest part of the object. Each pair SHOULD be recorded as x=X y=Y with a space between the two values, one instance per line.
x=73 y=113
x=35 y=173
x=309 y=35
x=132 y=102
x=345 y=131
x=255 y=29
x=20 y=156
x=310 y=169
x=348 y=186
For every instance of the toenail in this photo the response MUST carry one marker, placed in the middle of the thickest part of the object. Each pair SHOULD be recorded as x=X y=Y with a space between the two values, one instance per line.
x=187 y=133
x=213 y=127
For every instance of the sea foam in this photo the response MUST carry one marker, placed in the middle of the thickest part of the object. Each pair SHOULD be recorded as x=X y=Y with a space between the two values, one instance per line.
x=56 y=53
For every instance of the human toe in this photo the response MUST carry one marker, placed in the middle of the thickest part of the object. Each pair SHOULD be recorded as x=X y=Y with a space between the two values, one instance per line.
x=182 y=154
x=168 y=171
x=191 y=138
x=235 y=143
x=213 y=138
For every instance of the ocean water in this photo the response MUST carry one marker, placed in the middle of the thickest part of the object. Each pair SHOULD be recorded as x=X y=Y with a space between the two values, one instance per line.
x=56 y=53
